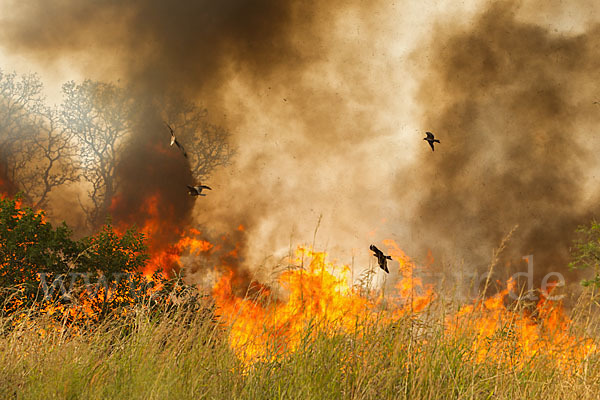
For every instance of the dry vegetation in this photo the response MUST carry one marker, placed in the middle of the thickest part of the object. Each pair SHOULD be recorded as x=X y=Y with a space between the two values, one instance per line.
x=183 y=355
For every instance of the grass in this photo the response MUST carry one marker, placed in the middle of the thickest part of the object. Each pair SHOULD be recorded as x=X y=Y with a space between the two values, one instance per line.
x=184 y=356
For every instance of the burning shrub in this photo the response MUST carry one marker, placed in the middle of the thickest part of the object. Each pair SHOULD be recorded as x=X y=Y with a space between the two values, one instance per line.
x=29 y=246
x=75 y=281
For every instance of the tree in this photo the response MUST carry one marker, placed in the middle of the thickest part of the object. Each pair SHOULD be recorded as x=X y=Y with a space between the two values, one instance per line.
x=19 y=98
x=52 y=162
x=208 y=145
x=99 y=115
x=29 y=246
x=75 y=282
x=585 y=252
x=36 y=153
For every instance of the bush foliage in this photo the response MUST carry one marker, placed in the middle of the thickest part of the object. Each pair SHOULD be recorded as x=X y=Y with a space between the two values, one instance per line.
x=585 y=253
x=43 y=266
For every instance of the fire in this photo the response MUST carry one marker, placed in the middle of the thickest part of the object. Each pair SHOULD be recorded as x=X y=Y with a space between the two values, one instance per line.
x=513 y=337
x=408 y=283
x=320 y=300
x=165 y=248
x=170 y=257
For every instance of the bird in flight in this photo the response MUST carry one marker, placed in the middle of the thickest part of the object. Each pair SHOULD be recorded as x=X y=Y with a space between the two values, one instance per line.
x=381 y=258
x=197 y=190
x=174 y=140
x=431 y=140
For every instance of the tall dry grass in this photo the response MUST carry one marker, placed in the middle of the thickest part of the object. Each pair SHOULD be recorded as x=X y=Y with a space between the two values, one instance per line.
x=185 y=355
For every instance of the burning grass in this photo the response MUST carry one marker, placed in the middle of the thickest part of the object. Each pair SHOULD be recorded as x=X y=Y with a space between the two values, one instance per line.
x=188 y=355
x=326 y=339
x=321 y=301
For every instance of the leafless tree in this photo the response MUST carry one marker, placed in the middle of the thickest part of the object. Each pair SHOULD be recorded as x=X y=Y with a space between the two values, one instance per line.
x=20 y=96
x=52 y=161
x=42 y=148
x=208 y=145
x=100 y=116
x=35 y=152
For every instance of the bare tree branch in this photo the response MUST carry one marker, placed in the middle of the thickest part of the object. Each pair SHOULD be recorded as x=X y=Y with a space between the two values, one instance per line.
x=208 y=146
x=20 y=96
x=35 y=152
x=100 y=116
x=53 y=161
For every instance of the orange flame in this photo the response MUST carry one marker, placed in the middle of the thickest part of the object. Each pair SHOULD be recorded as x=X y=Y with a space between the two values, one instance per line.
x=513 y=337
x=320 y=300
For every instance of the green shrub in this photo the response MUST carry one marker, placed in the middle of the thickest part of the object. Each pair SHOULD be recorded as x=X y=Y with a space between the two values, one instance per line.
x=586 y=251
x=42 y=267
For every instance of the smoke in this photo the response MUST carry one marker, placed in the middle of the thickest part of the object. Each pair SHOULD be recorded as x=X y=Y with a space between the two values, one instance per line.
x=262 y=68
x=185 y=47
x=7 y=187
x=328 y=102
x=513 y=107
x=151 y=180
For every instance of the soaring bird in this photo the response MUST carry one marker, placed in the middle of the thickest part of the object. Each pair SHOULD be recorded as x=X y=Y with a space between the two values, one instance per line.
x=431 y=140
x=381 y=258
x=174 y=140
x=197 y=190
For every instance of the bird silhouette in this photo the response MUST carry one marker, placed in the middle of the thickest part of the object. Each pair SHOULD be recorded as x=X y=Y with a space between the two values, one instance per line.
x=175 y=141
x=431 y=140
x=381 y=258
x=197 y=190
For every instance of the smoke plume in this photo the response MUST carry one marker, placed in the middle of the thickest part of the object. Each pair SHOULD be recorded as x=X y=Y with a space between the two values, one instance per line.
x=512 y=105
x=328 y=103
x=222 y=54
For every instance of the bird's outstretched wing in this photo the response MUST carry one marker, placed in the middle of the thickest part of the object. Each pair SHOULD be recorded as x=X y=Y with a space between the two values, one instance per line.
x=385 y=267
x=381 y=258
x=375 y=250
x=431 y=144
x=181 y=148
x=172 y=133
x=205 y=187
x=192 y=190
x=430 y=135
x=175 y=141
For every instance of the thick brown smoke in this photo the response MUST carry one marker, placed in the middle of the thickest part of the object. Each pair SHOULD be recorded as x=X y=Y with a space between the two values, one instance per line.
x=194 y=49
x=152 y=178
x=162 y=46
x=319 y=98
x=513 y=106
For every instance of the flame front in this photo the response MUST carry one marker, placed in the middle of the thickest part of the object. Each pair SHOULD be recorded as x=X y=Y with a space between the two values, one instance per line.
x=514 y=337
x=320 y=300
